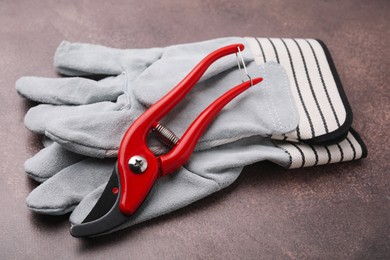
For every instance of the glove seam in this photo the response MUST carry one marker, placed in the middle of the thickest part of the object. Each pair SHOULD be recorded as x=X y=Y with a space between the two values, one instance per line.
x=65 y=209
x=64 y=142
x=270 y=102
x=36 y=177
x=201 y=176
x=106 y=151
x=290 y=99
x=203 y=144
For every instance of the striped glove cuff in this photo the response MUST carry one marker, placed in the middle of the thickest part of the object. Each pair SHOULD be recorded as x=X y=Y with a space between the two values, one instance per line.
x=324 y=134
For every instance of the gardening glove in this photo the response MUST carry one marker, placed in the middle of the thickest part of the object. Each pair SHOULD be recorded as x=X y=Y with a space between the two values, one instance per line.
x=84 y=178
x=43 y=165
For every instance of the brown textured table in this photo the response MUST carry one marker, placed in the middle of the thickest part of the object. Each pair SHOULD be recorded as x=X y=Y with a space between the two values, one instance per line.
x=332 y=212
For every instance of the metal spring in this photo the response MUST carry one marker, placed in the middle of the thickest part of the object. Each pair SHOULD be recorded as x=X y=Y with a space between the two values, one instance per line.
x=165 y=135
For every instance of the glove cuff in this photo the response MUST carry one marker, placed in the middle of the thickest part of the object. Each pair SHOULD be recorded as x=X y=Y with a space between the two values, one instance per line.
x=324 y=112
x=305 y=155
x=324 y=134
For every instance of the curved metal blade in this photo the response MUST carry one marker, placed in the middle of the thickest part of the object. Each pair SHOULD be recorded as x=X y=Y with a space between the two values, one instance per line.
x=106 y=214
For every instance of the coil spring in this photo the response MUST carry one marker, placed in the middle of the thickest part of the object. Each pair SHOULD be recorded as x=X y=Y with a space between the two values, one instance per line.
x=165 y=135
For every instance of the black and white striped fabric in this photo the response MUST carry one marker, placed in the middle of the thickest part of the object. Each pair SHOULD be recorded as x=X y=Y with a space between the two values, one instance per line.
x=324 y=111
x=305 y=155
x=324 y=134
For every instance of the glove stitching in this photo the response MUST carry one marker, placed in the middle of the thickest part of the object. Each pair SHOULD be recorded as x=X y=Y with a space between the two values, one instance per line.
x=289 y=97
x=274 y=108
x=266 y=92
x=201 y=176
x=113 y=151
x=70 y=208
x=210 y=143
x=65 y=142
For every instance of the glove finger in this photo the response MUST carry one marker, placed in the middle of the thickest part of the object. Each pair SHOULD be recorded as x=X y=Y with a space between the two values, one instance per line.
x=49 y=161
x=38 y=117
x=61 y=193
x=73 y=91
x=100 y=137
x=77 y=59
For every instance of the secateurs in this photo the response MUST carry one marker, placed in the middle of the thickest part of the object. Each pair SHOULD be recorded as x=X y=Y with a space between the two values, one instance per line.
x=137 y=167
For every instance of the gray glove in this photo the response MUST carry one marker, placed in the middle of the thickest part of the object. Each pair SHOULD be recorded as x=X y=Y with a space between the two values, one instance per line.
x=90 y=117
x=81 y=117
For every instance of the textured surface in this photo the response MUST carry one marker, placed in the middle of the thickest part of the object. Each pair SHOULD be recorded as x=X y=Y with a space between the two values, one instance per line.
x=339 y=211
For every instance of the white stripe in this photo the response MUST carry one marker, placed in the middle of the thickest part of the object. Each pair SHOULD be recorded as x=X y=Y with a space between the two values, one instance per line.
x=322 y=154
x=323 y=157
x=305 y=92
x=335 y=152
x=358 y=148
x=255 y=48
x=330 y=82
x=296 y=157
x=309 y=95
x=268 y=49
x=347 y=150
x=314 y=75
x=319 y=89
x=309 y=155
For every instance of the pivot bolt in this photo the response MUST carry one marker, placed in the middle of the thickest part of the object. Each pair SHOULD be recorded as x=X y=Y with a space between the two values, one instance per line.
x=138 y=164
